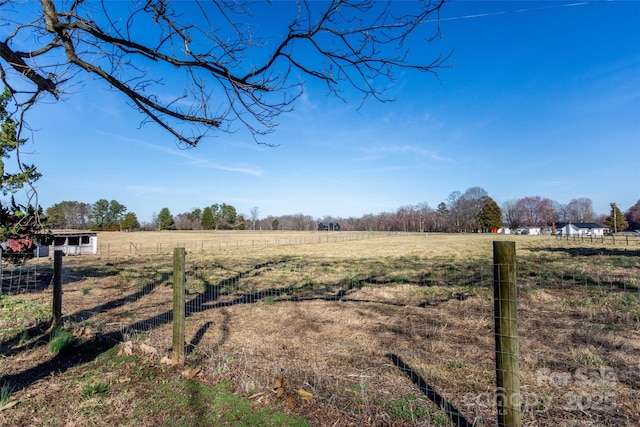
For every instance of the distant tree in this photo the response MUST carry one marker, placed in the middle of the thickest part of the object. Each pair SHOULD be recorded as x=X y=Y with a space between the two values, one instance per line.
x=274 y=224
x=633 y=216
x=188 y=220
x=195 y=216
x=100 y=213
x=56 y=216
x=453 y=223
x=241 y=223
x=69 y=214
x=207 y=220
x=580 y=210
x=165 y=220
x=490 y=215
x=182 y=221
x=536 y=211
x=512 y=214
x=130 y=222
x=228 y=217
x=442 y=214
x=107 y=215
x=467 y=208
x=254 y=212
x=116 y=212
x=616 y=221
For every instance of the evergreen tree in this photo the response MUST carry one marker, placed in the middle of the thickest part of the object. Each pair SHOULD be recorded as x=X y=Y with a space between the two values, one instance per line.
x=207 y=218
x=100 y=213
x=490 y=215
x=442 y=213
x=165 y=220
x=228 y=217
x=616 y=220
x=130 y=222
x=116 y=212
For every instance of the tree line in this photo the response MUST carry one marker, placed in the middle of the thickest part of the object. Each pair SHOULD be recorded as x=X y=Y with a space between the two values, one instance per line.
x=103 y=215
x=471 y=211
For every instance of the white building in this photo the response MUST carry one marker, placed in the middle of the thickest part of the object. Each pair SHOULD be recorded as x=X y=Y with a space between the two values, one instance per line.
x=580 y=229
x=73 y=242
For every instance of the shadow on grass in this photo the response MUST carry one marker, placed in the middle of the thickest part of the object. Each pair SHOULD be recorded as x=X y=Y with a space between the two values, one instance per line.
x=582 y=251
x=207 y=300
x=452 y=413
x=89 y=350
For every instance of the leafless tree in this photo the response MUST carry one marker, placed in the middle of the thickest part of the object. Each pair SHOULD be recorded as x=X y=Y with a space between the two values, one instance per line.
x=236 y=73
x=536 y=211
x=512 y=214
x=253 y=215
x=465 y=208
x=580 y=210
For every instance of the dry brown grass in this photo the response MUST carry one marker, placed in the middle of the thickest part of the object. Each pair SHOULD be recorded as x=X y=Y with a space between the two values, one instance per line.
x=326 y=310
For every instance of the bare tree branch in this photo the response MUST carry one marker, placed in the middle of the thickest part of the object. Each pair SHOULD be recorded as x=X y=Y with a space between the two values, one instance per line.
x=233 y=70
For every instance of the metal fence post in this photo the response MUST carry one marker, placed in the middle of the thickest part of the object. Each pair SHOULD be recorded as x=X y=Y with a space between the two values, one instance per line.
x=57 y=288
x=506 y=334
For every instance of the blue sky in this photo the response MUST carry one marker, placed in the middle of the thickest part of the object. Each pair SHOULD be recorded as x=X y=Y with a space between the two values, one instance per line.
x=540 y=99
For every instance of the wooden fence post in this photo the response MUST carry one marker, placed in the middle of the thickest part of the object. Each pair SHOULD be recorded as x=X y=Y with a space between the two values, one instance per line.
x=57 y=288
x=178 y=304
x=506 y=334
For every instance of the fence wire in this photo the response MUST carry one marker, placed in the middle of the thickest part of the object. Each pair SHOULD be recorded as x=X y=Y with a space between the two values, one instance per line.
x=400 y=340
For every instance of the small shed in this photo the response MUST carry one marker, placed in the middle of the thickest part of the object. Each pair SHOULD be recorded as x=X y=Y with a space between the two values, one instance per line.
x=531 y=231
x=74 y=242
x=328 y=226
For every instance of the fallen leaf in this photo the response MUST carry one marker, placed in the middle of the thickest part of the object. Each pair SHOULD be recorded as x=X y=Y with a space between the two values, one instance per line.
x=280 y=392
x=305 y=395
x=126 y=349
x=148 y=350
x=124 y=380
x=279 y=383
x=194 y=372
x=9 y=405
x=168 y=361
x=256 y=395
x=291 y=401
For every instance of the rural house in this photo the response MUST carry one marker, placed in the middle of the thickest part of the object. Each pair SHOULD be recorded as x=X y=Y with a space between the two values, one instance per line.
x=328 y=226
x=579 y=229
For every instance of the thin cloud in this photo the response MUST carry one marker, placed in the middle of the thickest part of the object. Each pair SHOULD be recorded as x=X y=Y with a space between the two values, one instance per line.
x=379 y=152
x=195 y=160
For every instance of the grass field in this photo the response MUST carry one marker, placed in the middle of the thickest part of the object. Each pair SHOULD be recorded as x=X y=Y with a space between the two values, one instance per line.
x=308 y=328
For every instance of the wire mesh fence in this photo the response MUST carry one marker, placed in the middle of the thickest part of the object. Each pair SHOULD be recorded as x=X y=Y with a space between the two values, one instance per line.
x=218 y=241
x=383 y=341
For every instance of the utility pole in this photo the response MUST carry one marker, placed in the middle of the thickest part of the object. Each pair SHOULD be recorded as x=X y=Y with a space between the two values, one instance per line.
x=615 y=221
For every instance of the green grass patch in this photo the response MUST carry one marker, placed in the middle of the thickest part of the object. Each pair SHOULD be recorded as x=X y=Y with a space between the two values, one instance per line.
x=14 y=308
x=61 y=341
x=408 y=407
x=93 y=390
x=269 y=300
x=5 y=394
x=191 y=403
